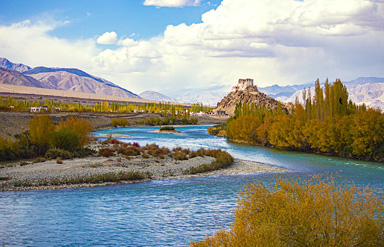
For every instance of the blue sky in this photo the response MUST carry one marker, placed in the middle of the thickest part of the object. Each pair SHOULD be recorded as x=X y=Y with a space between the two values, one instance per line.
x=90 y=18
x=174 y=44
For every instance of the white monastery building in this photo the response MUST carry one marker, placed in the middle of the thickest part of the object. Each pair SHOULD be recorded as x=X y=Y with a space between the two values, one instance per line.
x=243 y=84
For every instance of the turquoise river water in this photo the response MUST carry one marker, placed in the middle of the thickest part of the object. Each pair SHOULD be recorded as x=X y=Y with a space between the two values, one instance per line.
x=158 y=213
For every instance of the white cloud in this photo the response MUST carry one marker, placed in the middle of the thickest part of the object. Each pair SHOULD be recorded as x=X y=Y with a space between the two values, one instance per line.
x=29 y=43
x=127 y=42
x=108 y=38
x=272 y=41
x=171 y=3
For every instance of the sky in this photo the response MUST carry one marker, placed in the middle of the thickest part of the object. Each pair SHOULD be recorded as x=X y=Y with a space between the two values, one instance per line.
x=164 y=45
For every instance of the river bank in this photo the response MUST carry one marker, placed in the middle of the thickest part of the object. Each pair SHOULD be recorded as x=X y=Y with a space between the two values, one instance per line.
x=38 y=176
x=12 y=123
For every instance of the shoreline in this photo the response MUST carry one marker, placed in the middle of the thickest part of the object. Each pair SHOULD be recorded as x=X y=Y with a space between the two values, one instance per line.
x=169 y=169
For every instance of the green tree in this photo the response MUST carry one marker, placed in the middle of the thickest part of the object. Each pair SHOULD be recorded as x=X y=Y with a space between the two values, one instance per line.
x=65 y=139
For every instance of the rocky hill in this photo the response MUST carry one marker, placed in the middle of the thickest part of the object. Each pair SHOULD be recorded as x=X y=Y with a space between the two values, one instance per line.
x=249 y=95
x=68 y=79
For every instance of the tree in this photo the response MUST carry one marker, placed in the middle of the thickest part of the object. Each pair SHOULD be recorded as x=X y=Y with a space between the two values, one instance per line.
x=65 y=139
x=81 y=126
x=316 y=212
x=41 y=128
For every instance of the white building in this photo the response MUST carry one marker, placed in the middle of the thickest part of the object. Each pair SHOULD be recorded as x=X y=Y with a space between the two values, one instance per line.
x=243 y=84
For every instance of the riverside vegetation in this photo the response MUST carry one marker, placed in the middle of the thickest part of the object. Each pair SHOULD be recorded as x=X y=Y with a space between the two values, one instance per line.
x=317 y=212
x=44 y=138
x=327 y=123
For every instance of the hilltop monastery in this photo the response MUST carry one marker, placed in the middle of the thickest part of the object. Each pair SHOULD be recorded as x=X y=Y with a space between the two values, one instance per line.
x=243 y=84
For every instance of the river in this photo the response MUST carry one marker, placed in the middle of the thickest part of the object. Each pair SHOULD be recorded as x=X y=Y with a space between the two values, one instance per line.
x=158 y=213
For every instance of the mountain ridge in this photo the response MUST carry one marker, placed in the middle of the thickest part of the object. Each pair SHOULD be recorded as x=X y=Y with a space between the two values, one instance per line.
x=68 y=79
x=153 y=95
x=6 y=64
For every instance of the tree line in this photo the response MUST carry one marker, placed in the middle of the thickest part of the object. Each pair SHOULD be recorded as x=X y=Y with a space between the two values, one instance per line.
x=326 y=123
x=23 y=105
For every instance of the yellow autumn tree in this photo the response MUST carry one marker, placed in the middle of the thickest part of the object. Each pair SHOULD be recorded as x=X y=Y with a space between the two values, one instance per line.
x=41 y=129
x=82 y=127
x=316 y=212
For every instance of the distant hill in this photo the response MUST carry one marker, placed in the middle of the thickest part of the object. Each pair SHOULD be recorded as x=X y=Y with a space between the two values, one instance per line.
x=209 y=96
x=68 y=79
x=152 y=95
x=284 y=91
x=6 y=64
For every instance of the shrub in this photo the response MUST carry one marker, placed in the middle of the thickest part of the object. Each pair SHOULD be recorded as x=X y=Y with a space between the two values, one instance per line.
x=193 y=154
x=135 y=144
x=145 y=155
x=223 y=159
x=167 y=128
x=65 y=139
x=180 y=156
x=82 y=152
x=56 y=153
x=311 y=213
x=106 y=152
x=130 y=151
x=119 y=121
x=38 y=160
x=114 y=141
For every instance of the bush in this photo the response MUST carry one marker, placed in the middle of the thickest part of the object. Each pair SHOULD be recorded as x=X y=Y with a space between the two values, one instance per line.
x=180 y=156
x=311 y=213
x=56 y=153
x=129 y=151
x=145 y=155
x=82 y=152
x=223 y=159
x=65 y=139
x=167 y=128
x=106 y=152
x=135 y=144
x=119 y=121
x=39 y=159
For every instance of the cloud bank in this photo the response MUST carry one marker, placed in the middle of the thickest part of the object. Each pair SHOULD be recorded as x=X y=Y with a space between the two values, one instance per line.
x=272 y=41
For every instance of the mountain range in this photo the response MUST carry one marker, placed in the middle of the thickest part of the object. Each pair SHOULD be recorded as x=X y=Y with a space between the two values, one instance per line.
x=152 y=95
x=368 y=90
x=67 y=79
